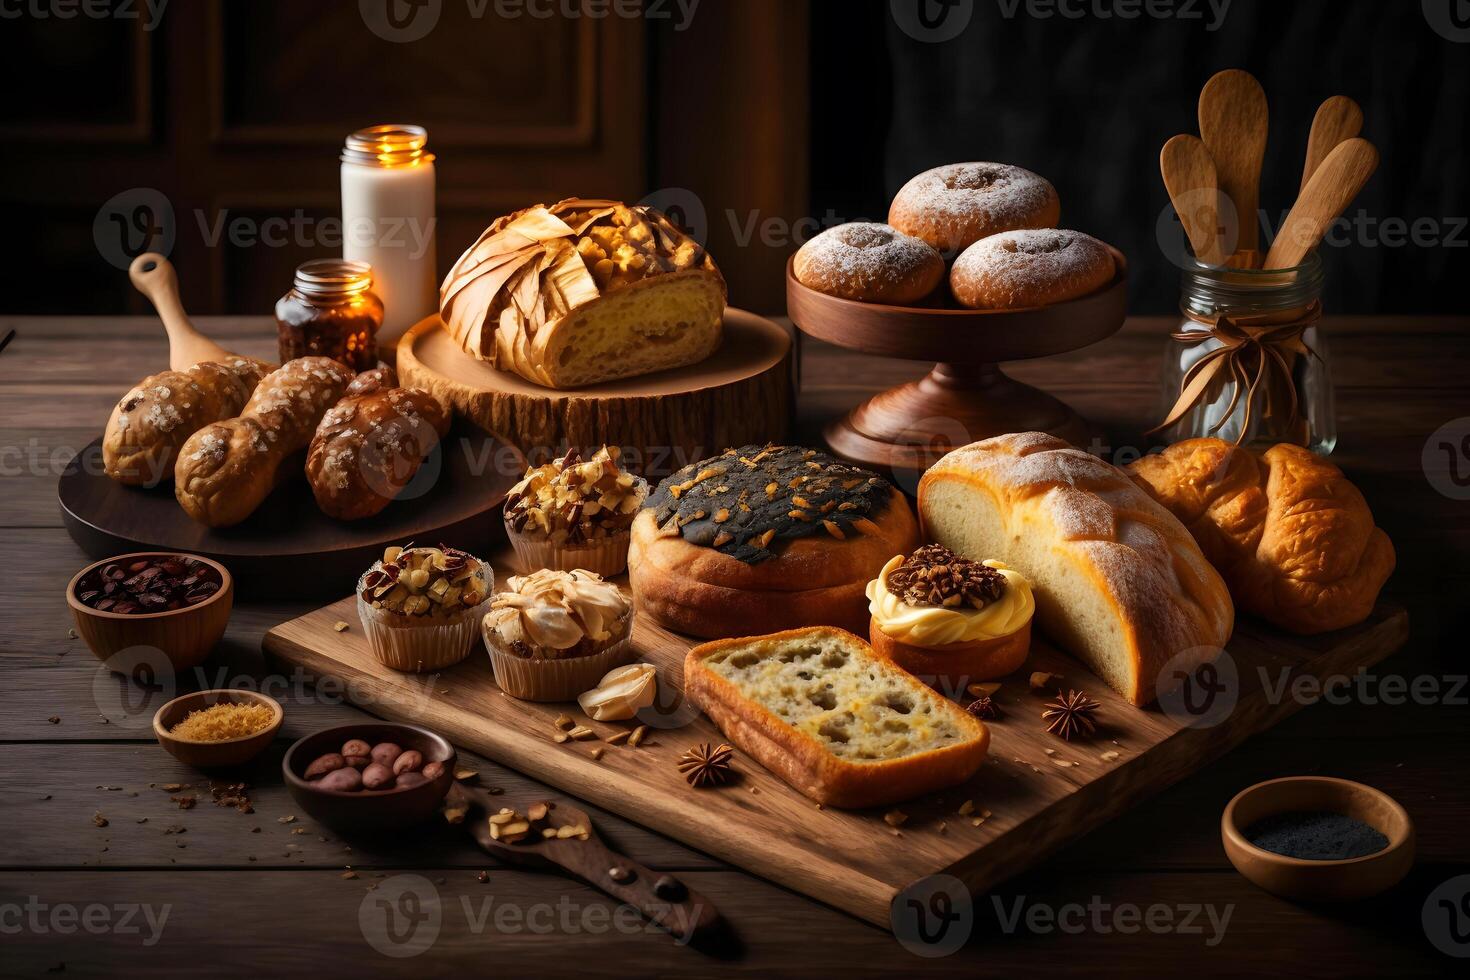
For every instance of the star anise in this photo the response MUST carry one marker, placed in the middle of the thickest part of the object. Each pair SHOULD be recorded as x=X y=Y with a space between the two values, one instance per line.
x=706 y=765
x=984 y=707
x=1070 y=715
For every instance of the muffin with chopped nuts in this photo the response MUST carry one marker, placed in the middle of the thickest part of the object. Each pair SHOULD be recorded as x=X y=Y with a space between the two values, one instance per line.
x=950 y=620
x=765 y=538
x=552 y=635
x=420 y=607
x=575 y=513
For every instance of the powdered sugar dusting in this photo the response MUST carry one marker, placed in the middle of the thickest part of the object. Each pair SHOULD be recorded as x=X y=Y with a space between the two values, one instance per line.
x=940 y=204
x=1030 y=267
x=863 y=258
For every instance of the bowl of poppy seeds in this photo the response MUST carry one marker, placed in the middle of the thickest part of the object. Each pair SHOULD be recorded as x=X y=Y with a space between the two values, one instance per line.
x=1318 y=839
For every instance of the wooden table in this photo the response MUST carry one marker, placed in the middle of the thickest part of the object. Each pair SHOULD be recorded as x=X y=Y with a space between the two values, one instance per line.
x=271 y=891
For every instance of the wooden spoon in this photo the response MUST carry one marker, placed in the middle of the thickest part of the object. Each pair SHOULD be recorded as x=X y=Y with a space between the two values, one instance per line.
x=154 y=277
x=1189 y=174
x=665 y=900
x=1335 y=183
x=1232 y=122
x=1337 y=119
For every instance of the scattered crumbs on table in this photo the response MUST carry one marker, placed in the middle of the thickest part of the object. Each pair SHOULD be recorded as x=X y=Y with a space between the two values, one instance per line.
x=1109 y=756
x=71 y=634
x=349 y=874
x=54 y=719
x=99 y=819
x=340 y=626
x=288 y=818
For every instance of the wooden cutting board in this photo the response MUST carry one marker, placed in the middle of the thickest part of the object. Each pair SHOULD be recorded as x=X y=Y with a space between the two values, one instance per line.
x=1034 y=794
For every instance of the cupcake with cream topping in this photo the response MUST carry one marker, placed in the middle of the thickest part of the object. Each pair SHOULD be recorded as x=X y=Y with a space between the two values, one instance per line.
x=553 y=634
x=949 y=620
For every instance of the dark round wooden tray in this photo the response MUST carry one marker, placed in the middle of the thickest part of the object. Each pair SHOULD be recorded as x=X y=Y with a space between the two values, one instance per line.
x=965 y=397
x=289 y=548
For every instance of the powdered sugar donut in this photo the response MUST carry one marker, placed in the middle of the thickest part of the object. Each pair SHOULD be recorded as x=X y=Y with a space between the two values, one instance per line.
x=951 y=206
x=1031 y=267
x=869 y=262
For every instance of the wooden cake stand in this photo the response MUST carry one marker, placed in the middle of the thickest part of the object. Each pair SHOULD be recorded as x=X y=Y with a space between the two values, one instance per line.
x=904 y=430
x=742 y=394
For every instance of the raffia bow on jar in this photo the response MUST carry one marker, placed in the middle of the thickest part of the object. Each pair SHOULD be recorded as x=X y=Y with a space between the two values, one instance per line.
x=1256 y=355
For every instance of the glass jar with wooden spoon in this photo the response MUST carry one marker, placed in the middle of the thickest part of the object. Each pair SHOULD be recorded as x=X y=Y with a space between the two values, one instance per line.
x=1248 y=363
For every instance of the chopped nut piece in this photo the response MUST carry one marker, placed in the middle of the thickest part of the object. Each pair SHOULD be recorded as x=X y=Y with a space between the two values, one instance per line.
x=618 y=738
x=985 y=690
x=895 y=818
x=582 y=733
x=597 y=753
x=564 y=722
x=1109 y=756
x=340 y=626
x=1042 y=680
x=639 y=734
x=967 y=808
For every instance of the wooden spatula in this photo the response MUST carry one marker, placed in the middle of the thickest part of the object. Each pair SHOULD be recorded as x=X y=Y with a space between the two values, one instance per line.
x=1232 y=123
x=663 y=899
x=1189 y=174
x=154 y=277
x=1337 y=119
x=1336 y=182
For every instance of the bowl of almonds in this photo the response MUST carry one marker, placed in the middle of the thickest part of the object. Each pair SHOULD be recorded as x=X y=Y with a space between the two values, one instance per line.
x=371 y=776
x=177 y=604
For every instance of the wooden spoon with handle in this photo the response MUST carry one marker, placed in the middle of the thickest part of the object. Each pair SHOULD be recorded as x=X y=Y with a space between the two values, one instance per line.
x=1189 y=175
x=1337 y=119
x=1335 y=183
x=662 y=898
x=1232 y=122
x=154 y=277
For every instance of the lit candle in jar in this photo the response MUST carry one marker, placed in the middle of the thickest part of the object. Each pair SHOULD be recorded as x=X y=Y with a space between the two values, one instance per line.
x=388 y=222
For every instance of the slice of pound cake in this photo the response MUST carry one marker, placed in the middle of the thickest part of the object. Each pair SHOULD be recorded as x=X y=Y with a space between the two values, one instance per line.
x=820 y=709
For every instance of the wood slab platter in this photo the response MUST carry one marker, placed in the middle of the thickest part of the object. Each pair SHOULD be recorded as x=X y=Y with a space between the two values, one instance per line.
x=742 y=394
x=1034 y=794
x=289 y=547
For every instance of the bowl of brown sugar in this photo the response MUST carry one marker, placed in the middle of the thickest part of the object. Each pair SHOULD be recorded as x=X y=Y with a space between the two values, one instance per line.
x=217 y=728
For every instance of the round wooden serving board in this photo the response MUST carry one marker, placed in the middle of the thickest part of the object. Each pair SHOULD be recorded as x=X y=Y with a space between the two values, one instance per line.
x=289 y=548
x=743 y=394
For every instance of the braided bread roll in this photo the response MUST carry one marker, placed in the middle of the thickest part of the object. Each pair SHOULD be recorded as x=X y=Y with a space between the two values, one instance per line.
x=141 y=442
x=1118 y=580
x=370 y=445
x=1291 y=535
x=226 y=469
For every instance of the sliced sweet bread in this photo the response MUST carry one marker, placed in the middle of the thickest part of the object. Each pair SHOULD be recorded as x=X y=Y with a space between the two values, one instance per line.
x=1119 y=582
x=820 y=709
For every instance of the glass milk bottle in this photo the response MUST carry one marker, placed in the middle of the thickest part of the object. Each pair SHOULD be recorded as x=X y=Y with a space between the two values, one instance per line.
x=388 y=222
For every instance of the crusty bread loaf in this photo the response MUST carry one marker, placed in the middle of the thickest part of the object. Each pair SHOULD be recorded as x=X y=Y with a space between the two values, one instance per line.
x=584 y=291
x=227 y=469
x=141 y=442
x=818 y=708
x=1118 y=580
x=1293 y=538
x=778 y=536
x=369 y=445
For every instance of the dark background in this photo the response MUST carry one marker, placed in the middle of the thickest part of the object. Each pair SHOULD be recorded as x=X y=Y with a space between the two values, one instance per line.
x=757 y=120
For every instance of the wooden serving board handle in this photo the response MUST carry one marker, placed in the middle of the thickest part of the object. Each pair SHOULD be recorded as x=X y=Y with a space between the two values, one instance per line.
x=154 y=276
x=662 y=898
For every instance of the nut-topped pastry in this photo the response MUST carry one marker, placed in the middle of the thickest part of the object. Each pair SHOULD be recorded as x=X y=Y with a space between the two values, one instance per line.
x=950 y=620
x=420 y=606
x=575 y=513
x=776 y=536
x=552 y=634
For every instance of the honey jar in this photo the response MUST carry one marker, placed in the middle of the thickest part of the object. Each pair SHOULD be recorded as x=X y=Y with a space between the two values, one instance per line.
x=331 y=311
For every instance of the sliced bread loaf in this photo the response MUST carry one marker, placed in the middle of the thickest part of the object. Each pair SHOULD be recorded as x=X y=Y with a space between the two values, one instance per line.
x=1119 y=582
x=820 y=709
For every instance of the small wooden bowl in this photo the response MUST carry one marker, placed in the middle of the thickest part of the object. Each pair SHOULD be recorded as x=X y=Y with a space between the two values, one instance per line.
x=369 y=810
x=185 y=636
x=214 y=755
x=1319 y=881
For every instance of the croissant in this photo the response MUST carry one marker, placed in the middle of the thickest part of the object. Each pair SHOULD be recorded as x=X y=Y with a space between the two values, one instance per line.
x=584 y=291
x=1292 y=537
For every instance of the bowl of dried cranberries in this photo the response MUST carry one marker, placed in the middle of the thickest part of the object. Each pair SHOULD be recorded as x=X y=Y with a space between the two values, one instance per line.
x=129 y=606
